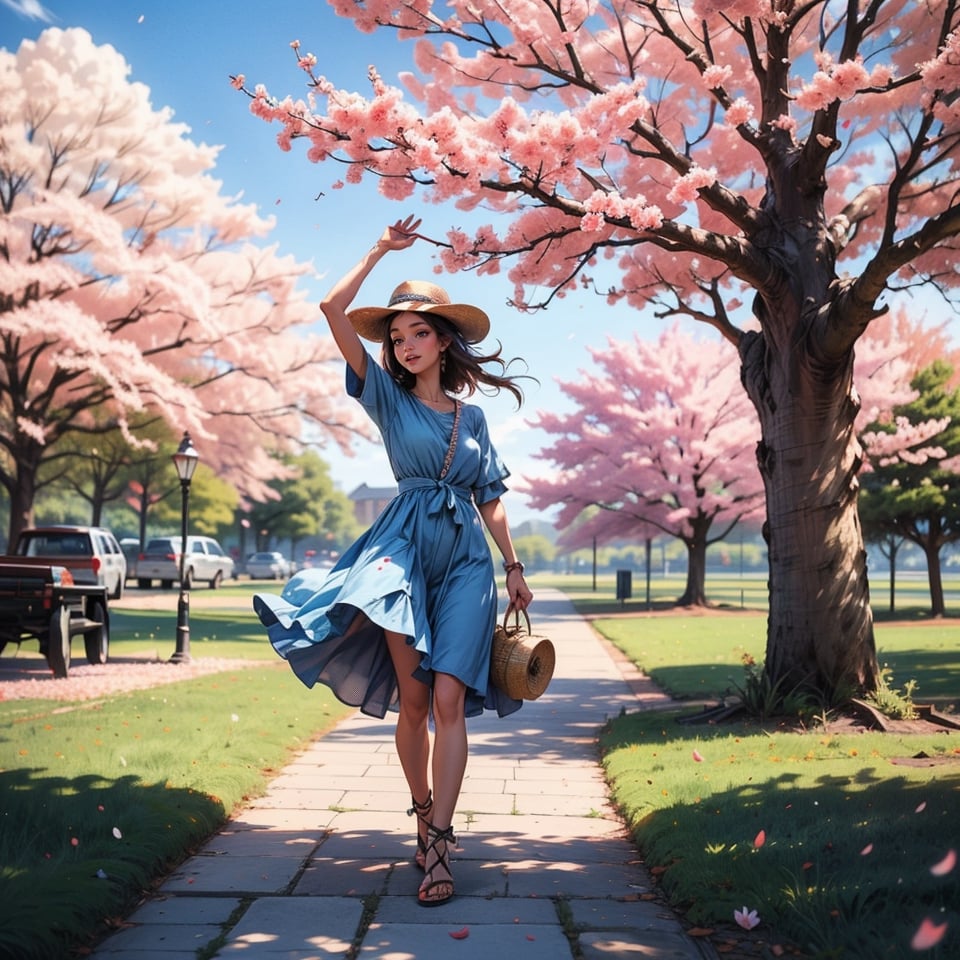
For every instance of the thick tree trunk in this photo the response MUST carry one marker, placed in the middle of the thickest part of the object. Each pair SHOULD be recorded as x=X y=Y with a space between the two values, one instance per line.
x=21 y=502
x=938 y=607
x=695 y=592
x=820 y=631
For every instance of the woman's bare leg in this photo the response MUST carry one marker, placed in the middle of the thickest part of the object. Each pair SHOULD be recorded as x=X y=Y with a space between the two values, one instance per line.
x=449 y=766
x=411 y=736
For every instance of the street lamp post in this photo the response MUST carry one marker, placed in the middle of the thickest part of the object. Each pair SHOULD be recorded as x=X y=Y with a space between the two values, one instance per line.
x=185 y=460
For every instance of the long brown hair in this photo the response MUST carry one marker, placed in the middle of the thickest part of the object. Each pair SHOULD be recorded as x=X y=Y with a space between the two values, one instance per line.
x=462 y=370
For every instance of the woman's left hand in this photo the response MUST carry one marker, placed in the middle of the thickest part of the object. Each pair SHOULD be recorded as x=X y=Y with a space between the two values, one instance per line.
x=518 y=592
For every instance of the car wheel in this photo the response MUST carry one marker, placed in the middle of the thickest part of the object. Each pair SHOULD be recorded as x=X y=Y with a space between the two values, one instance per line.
x=58 y=646
x=217 y=580
x=143 y=583
x=96 y=642
x=166 y=584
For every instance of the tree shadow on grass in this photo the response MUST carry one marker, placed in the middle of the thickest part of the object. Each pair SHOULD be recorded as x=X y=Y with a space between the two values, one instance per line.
x=75 y=853
x=839 y=862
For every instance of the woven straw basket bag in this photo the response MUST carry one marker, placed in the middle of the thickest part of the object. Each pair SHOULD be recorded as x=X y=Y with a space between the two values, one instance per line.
x=521 y=663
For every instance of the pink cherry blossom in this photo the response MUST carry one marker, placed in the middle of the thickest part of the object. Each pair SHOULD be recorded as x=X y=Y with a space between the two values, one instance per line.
x=928 y=934
x=946 y=865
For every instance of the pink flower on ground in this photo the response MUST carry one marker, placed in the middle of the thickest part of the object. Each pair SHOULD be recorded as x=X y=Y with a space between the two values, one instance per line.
x=928 y=935
x=747 y=919
x=947 y=864
x=697 y=757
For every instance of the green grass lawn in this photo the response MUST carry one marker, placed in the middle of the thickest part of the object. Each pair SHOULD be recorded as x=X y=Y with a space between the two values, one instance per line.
x=840 y=841
x=831 y=837
x=99 y=798
x=825 y=836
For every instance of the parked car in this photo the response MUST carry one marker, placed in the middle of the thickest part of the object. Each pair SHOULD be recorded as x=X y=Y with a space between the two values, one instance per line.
x=91 y=554
x=131 y=550
x=205 y=560
x=269 y=566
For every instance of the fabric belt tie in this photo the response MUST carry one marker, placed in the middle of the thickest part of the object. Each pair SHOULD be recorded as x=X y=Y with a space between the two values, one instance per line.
x=451 y=497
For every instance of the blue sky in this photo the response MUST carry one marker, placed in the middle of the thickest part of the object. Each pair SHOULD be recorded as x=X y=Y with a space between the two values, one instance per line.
x=185 y=51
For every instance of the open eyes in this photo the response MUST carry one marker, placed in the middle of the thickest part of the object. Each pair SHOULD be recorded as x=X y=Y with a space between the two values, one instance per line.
x=418 y=335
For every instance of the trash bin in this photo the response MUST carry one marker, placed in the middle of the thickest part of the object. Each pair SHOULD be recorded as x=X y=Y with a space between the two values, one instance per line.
x=624 y=584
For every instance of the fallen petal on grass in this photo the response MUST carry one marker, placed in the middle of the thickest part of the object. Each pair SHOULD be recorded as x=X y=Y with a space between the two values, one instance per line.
x=947 y=864
x=928 y=934
x=760 y=839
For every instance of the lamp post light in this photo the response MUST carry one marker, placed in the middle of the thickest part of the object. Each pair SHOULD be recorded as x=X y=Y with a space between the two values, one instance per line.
x=185 y=460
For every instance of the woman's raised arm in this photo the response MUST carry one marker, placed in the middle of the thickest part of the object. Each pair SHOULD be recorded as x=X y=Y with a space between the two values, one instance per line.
x=334 y=305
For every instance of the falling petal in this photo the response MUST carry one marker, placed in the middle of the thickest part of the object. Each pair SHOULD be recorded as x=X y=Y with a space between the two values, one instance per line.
x=101 y=875
x=117 y=833
x=460 y=934
x=928 y=935
x=100 y=807
x=868 y=849
x=760 y=839
x=942 y=868
x=697 y=757
x=74 y=842
x=531 y=937
x=921 y=807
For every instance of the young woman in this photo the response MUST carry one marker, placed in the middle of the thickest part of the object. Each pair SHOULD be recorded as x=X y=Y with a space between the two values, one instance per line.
x=405 y=619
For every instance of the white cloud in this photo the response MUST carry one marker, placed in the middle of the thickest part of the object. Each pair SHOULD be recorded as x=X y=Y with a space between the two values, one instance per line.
x=30 y=9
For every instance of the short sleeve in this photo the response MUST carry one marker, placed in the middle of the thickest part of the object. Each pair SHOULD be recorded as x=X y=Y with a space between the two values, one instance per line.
x=376 y=392
x=490 y=477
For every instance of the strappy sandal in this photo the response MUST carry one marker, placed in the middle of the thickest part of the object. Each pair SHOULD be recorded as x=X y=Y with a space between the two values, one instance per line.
x=435 y=837
x=422 y=810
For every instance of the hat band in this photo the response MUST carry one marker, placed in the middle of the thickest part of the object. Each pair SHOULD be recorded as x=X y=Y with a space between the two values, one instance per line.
x=411 y=298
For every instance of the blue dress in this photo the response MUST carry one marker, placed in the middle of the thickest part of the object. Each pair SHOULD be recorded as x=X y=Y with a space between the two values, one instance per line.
x=423 y=569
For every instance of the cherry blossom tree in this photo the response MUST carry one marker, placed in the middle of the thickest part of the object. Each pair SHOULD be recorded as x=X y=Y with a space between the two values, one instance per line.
x=131 y=287
x=799 y=156
x=913 y=490
x=662 y=437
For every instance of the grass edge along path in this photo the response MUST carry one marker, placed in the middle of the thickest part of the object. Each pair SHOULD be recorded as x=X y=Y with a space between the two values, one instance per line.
x=844 y=843
x=102 y=799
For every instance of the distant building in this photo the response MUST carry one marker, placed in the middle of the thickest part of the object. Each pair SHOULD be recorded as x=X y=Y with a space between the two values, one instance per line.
x=369 y=502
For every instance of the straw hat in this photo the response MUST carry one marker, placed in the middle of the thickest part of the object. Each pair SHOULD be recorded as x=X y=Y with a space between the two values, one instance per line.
x=420 y=296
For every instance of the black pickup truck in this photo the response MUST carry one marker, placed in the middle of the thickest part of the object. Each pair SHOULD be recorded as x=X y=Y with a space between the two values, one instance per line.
x=40 y=601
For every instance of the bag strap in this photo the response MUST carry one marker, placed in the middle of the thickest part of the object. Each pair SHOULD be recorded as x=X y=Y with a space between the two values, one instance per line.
x=516 y=624
x=452 y=449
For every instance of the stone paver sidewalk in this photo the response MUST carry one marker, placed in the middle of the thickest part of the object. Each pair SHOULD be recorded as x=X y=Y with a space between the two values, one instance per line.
x=321 y=866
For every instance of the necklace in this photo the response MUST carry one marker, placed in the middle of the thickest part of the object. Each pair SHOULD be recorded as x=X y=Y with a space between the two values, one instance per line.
x=443 y=398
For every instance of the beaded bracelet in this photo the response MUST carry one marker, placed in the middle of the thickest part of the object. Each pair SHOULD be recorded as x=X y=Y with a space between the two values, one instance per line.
x=516 y=565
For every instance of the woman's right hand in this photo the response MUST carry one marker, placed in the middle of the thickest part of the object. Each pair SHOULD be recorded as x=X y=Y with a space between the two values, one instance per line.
x=402 y=234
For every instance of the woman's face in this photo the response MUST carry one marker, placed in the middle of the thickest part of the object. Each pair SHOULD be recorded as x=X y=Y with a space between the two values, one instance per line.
x=416 y=345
